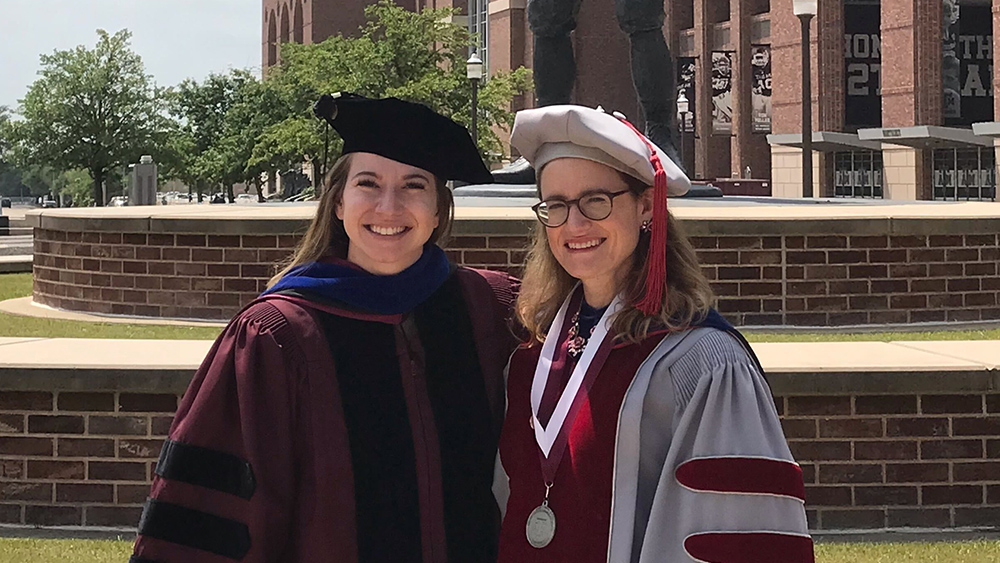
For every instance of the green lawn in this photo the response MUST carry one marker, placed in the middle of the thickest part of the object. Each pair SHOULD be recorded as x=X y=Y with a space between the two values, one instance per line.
x=760 y=336
x=19 y=285
x=80 y=551
x=961 y=552
x=64 y=551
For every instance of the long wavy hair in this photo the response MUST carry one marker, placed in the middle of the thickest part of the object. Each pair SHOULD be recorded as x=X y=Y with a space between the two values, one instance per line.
x=687 y=294
x=326 y=235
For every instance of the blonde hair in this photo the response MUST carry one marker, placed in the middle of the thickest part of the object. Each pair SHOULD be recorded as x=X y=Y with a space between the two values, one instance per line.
x=326 y=235
x=687 y=295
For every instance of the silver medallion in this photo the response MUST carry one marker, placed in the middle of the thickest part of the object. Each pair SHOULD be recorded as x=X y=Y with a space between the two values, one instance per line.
x=541 y=527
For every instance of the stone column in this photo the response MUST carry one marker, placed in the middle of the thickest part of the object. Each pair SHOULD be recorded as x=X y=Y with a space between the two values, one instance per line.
x=828 y=27
x=996 y=49
x=747 y=148
x=996 y=85
x=508 y=48
x=911 y=90
x=739 y=35
x=508 y=35
x=827 y=65
x=711 y=151
x=786 y=99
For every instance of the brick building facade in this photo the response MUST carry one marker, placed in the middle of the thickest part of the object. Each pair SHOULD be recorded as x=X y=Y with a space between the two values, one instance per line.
x=902 y=90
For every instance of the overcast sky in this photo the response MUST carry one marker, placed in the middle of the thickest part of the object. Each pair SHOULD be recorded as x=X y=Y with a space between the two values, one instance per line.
x=176 y=39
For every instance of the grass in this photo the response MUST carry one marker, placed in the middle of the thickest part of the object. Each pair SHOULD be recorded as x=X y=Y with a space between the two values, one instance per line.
x=19 y=285
x=87 y=551
x=959 y=552
x=761 y=336
x=64 y=551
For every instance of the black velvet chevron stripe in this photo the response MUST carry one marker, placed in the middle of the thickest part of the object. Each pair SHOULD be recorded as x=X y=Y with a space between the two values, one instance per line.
x=193 y=528
x=207 y=468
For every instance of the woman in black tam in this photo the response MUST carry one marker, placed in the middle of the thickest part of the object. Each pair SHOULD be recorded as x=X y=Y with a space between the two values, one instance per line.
x=352 y=413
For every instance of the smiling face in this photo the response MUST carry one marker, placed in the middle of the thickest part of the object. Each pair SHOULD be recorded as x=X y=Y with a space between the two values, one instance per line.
x=597 y=253
x=389 y=210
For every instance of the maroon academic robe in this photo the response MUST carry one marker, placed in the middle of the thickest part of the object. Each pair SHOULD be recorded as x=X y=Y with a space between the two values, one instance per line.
x=582 y=488
x=312 y=432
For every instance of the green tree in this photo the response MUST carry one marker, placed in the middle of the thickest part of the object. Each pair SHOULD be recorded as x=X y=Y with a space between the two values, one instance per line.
x=76 y=184
x=418 y=56
x=256 y=107
x=5 y=139
x=198 y=143
x=94 y=109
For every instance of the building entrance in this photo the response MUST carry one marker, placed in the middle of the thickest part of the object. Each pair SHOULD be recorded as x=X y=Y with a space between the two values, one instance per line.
x=965 y=174
x=858 y=174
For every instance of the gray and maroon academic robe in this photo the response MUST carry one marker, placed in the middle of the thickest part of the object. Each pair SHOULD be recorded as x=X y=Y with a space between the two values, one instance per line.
x=676 y=455
x=312 y=433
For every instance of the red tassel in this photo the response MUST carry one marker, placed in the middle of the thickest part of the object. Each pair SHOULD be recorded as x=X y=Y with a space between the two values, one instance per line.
x=656 y=256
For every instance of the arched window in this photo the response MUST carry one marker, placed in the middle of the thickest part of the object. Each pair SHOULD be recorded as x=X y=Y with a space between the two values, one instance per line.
x=286 y=34
x=272 y=39
x=298 y=24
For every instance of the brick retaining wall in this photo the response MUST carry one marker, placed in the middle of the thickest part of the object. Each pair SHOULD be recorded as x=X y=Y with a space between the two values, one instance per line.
x=778 y=278
x=72 y=459
x=82 y=452
x=871 y=461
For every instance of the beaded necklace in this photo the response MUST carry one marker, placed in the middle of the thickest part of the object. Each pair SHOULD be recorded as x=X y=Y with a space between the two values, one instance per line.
x=577 y=341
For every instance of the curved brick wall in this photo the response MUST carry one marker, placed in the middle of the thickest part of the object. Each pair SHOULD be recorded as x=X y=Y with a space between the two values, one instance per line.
x=806 y=270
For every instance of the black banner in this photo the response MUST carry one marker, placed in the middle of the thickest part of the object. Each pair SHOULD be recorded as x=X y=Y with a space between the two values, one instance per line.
x=863 y=64
x=722 y=92
x=685 y=85
x=967 y=71
x=760 y=62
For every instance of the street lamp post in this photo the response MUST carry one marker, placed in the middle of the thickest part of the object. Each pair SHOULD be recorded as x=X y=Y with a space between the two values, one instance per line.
x=805 y=10
x=683 y=105
x=474 y=72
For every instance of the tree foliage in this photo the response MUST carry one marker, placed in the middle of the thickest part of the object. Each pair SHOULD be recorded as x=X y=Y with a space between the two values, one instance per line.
x=5 y=139
x=77 y=186
x=417 y=56
x=201 y=148
x=94 y=109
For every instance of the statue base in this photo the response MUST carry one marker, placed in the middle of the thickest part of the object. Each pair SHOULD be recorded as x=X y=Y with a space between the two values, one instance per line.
x=699 y=190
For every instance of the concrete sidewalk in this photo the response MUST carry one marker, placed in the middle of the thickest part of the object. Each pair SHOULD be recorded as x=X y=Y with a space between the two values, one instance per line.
x=777 y=358
x=26 y=307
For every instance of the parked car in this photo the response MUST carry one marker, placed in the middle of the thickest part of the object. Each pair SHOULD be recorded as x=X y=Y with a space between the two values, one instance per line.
x=5 y=202
x=49 y=204
x=118 y=201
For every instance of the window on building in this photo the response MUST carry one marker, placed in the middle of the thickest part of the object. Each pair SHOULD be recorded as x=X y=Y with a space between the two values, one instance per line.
x=858 y=174
x=479 y=19
x=965 y=174
x=272 y=40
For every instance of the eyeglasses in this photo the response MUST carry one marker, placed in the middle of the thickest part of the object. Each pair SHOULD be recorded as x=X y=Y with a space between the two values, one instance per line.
x=595 y=206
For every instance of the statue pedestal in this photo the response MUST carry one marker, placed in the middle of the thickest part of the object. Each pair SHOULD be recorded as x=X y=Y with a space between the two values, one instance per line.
x=530 y=191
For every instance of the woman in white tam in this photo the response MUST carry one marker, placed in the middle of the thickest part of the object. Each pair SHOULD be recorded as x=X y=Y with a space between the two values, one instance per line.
x=639 y=425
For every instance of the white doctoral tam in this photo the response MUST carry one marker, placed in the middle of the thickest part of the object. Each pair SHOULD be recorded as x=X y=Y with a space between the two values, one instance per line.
x=544 y=134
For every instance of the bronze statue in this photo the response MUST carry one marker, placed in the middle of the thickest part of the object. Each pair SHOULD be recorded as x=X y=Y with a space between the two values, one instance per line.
x=551 y=22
